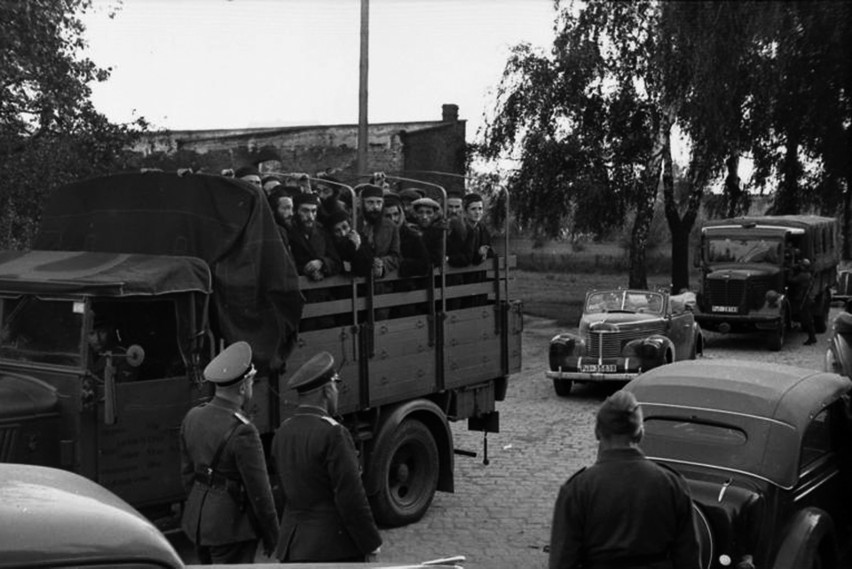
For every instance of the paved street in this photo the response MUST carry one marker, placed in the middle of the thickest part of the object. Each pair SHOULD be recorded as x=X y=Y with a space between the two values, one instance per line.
x=499 y=516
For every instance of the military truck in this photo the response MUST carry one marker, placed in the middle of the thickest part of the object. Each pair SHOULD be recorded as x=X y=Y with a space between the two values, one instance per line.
x=183 y=266
x=746 y=266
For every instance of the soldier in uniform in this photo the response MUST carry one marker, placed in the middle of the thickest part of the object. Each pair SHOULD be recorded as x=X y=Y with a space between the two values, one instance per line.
x=625 y=510
x=223 y=469
x=326 y=514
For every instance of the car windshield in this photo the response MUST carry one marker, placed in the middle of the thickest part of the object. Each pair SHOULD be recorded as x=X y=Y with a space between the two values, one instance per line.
x=44 y=331
x=729 y=250
x=624 y=301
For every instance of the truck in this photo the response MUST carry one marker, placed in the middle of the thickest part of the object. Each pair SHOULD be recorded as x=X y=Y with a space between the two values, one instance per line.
x=746 y=267
x=184 y=265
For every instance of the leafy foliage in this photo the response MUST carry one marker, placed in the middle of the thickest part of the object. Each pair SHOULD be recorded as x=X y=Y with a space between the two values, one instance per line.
x=50 y=133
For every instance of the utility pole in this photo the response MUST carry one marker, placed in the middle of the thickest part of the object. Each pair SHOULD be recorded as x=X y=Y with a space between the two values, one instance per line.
x=363 y=141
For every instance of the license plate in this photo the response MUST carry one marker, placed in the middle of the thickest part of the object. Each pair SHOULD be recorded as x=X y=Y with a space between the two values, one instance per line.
x=595 y=368
x=725 y=309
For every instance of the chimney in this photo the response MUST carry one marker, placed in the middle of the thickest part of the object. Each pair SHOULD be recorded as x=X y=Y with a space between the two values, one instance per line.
x=450 y=112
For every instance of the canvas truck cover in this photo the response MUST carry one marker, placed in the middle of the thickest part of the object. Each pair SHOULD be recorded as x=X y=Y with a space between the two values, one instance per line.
x=224 y=222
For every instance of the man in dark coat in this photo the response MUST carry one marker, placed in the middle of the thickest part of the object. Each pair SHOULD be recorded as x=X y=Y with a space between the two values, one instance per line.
x=223 y=469
x=356 y=257
x=326 y=514
x=432 y=229
x=310 y=243
x=414 y=257
x=625 y=510
x=381 y=235
x=802 y=296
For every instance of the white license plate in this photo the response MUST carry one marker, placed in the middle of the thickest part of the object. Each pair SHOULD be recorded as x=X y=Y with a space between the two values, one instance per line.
x=725 y=309
x=595 y=368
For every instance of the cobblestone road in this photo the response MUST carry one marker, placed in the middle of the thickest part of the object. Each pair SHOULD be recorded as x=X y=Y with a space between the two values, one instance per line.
x=499 y=516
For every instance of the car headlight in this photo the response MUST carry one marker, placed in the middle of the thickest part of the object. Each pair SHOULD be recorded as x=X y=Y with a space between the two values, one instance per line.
x=645 y=349
x=563 y=345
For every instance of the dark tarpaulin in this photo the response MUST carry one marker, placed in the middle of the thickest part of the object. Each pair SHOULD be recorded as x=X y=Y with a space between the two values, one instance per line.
x=225 y=222
x=101 y=274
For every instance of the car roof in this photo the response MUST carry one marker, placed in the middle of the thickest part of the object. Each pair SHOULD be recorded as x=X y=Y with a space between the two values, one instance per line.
x=61 y=518
x=772 y=403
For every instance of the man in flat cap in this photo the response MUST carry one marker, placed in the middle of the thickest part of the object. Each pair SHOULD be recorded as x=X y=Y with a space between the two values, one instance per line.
x=326 y=514
x=310 y=243
x=229 y=504
x=427 y=213
x=414 y=257
x=625 y=510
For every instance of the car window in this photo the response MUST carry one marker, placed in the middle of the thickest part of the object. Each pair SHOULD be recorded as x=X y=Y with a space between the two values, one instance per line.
x=816 y=441
x=696 y=432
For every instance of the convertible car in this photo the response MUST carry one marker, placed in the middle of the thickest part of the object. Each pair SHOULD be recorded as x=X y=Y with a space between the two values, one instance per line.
x=765 y=451
x=624 y=333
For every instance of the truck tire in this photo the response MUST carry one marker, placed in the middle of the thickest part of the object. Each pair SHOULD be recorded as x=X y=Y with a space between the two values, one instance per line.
x=821 y=317
x=562 y=387
x=408 y=468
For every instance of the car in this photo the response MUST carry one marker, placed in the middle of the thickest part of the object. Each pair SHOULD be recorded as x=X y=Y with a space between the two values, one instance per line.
x=765 y=450
x=838 y=355
x=55 y=518
x=623 y=333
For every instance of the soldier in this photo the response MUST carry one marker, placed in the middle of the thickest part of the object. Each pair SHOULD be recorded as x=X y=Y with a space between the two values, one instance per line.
x=326 y=514
x=802 y=295
x=624 y=511
x=223 y=469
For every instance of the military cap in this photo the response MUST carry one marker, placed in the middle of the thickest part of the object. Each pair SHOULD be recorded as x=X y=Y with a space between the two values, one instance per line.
x=230 y=366
x=471 y=198
x=411 y=194
x=314 y=373
x=426 y=202
x=303 y=198
x=619 y=415
x=246 y=171
x=371 y=191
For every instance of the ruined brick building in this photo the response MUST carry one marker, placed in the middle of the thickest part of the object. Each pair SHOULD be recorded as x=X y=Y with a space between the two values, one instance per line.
x=407 y=149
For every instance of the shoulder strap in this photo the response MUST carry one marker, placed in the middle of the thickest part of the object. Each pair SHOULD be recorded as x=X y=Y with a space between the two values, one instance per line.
x=215 y=462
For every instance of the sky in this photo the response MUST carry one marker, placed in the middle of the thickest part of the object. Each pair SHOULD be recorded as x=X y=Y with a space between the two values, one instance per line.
x=207 y=64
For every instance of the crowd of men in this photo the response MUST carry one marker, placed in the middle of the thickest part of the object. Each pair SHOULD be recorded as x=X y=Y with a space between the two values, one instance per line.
x=383 y=232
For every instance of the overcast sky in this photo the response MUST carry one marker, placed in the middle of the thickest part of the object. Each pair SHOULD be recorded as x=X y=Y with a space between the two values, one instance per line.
x=202 y=64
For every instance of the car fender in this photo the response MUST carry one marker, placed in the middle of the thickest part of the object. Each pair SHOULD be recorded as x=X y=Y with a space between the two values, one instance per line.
x=698 y=339
x=431 y=415
x=805 y=539
x=665 y=343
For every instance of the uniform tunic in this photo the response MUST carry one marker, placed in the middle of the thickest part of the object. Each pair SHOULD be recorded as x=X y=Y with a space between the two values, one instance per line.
x=212 y=515
x=326 y=513
x=624 y=511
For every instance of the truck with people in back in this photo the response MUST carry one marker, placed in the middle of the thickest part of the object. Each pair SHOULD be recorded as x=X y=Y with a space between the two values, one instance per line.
x=173 y=269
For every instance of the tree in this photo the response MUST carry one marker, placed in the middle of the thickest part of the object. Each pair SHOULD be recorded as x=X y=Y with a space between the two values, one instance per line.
x=587 y=123
x=50 y=133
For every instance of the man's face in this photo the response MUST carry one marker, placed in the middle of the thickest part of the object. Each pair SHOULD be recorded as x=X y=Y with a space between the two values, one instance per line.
x=454 y=207
x=284 y=211
x=474 y=212
x=341 y=229
x=252 y=179
x=394 y=214
x=99 y=338
x=424 y=216
x=373 y=208
x=325 y=192
x=307 y=215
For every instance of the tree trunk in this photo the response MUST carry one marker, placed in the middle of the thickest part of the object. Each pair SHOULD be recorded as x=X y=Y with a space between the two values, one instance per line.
x=787 y=196
x=638 y=277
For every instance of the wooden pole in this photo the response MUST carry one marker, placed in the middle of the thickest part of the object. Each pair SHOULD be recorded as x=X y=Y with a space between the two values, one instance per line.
x=363 y=140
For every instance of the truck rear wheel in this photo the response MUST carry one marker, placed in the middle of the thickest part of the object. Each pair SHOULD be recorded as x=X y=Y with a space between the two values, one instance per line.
x=408 y=469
